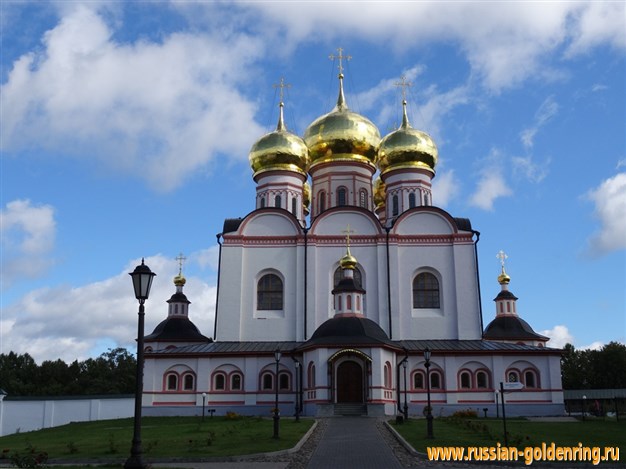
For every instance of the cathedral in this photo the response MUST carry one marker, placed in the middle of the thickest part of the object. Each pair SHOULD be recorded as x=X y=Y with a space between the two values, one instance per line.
x=348 y=291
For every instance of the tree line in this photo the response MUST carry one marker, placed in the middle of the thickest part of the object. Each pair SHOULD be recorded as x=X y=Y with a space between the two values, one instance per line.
x=113 y=372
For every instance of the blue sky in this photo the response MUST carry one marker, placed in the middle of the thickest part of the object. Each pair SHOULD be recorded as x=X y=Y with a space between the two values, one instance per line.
x=125 y=131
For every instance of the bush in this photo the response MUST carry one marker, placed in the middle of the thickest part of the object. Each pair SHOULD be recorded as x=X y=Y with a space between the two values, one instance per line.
x=465 y=414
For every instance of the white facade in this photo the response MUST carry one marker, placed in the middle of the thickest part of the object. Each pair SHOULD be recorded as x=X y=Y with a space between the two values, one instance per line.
x=415 y=281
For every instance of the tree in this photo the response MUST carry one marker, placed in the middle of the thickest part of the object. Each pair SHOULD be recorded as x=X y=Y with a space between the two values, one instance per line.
x=594 y=369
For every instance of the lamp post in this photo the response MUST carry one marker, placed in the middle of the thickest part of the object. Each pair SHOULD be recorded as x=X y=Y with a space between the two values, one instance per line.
x=142 y=281
x=276 y=413
x=203 y=404
x=298 y=385
x=406 y=406
x=584 y=405
x=429 y=413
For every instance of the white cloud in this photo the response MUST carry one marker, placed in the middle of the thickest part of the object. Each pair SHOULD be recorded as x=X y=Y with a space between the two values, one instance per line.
x=445 y=188
x=161 y=110
x=80 y=318
x=597 y=345
x=598 y=22
x=559 y=336
x=610 y=209
x=28 y=235
x=208 y=258
x=526 y=166
x=491 y=186
x=547 y=110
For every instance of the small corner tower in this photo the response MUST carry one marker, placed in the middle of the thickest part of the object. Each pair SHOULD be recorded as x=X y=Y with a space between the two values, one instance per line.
x=508 y=326
x=347 y=295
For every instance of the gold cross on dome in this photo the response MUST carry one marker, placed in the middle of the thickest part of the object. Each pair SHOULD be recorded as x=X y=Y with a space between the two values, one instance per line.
x=282 y=85
x=340 y=57
x=404 y=84
x=502 y=256
x=181 y=258
x=347 y=231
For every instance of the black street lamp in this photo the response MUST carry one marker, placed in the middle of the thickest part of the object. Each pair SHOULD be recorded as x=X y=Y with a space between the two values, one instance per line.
x=584 y=406
x=142 y=281
x=203 y=404
x=405 y=362
x=276 y=384
x=429 y=412
x=298 y=386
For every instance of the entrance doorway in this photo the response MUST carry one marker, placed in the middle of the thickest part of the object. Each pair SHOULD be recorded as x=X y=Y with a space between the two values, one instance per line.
x=349 y=382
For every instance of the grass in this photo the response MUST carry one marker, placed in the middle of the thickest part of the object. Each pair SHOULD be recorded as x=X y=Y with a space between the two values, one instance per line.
x=522 y=433
x=162 y=437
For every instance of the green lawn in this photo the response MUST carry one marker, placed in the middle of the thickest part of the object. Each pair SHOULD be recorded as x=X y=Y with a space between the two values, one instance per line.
x=161 y=437
x=522 y=433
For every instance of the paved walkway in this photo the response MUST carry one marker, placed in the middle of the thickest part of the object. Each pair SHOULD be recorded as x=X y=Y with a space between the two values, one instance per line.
x=352 y=442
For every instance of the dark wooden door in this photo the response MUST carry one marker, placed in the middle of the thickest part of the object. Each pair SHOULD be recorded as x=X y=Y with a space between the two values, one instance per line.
x=349 y=382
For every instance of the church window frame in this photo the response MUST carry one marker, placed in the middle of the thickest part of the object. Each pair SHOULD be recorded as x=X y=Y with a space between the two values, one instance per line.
x=311 y=375
x=189 y=381
x=322 y=201
x=342 y=196
x=426 y=291
x=270 y=294
x=267 y=381
x=236 y=381
x=418 y=380
x=513 y=376
x=363 y=198
x=294 y=206
x=387 y=376
x=278 y=201
x=465 y=379
x=395 y=206
x=262 y=204
x=412 y=202
x=436 y=380
x=171 y=381
x=219 y=381
x=531 y=378
x=284 y=381
x=482 y=379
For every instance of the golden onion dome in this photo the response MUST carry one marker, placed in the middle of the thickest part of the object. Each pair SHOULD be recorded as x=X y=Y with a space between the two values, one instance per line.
x=179 y=280
x=379 y=192
x=306 y=196
x=407 y=148
x=503 y=278
x=348 y=261
x=342 y=135
x=279 y=150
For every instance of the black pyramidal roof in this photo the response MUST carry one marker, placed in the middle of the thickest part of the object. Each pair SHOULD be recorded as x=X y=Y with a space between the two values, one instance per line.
x=176 y=330
x=349 y=330
x=510 y=328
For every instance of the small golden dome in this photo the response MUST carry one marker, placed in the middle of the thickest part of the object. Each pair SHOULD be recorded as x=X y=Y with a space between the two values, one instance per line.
x=407 y=148
x=279 y=150
x=179 y=280
x=379 y=192
x=348 y=261
x=503 y=278
x=342 y=135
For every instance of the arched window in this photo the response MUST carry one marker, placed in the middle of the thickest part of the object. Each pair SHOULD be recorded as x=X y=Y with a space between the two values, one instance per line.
x=322 y=201
x=262 y=202
x=411 y=199
x=465 y=379
x=363 y=198
x=294 y=206
x=425 y=291
x=277 y=201
x=172 y=382
x=270 y=293
x=235 y=382
x=530 y=379
x=338 y=275
x=426 y=199
x=395 y=209
x=284 y=381
x=219 y=382
x=338 y=302
x=387 y=370
x=418 y=380
x=512 y=377
x=341 y=197
x=349 y=303
x=435 y=380
x=267 y=381
x=311 y=375
x=482 y=381
x=188 y=382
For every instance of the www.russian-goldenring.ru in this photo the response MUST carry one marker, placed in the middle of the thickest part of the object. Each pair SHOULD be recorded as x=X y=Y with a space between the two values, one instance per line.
x=529 y=454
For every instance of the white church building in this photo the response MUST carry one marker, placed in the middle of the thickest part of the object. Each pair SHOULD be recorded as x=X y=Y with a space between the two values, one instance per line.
x=351 y=271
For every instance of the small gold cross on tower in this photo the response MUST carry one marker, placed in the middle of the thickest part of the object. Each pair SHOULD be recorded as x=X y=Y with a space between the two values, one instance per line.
x=282 y=85
x=347 y=231
x=340 y=57
x=181 y=258
x=404 y=84
x=502 y=256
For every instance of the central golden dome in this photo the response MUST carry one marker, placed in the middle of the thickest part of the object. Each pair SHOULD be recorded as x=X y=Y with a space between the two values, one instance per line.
x=407 y=148
x=342 y=135
x=279 y=150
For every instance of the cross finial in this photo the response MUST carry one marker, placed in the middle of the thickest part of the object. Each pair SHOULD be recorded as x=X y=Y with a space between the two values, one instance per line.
x=340 y=57
x=181 y=258
x=282 y=85
x=502 y=256
x=347 y=231
x=404 y=84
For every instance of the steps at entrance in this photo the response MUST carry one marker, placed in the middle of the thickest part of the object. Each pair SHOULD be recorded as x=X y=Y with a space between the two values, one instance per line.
x=350 y=409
